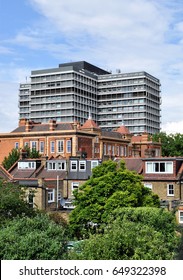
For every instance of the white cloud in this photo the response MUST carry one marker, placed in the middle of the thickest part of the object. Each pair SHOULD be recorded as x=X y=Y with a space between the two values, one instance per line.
x=8 y=106
x=173 y=127
x=130 y=35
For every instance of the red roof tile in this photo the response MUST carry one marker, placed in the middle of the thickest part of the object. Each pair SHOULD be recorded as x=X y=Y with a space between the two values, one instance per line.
x=123 y=129
x=90 y=124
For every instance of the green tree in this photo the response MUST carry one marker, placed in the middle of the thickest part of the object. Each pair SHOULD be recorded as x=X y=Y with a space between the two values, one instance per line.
x=36 y=238
x=11 y=159
x=172 y=144
x=14 y=155
x=133 y=234
x=13 y=202
x=31 y=153
x=109 y=187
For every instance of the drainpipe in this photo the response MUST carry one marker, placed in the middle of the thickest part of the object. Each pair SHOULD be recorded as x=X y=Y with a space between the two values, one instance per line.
x=57 y=189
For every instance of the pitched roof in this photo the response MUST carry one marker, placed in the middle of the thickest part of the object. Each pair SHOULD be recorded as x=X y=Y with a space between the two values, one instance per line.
x=89 y=124
x=35 y=127
x=5 y=174
x=113 y=134
x=134 y=164
x=123 y=129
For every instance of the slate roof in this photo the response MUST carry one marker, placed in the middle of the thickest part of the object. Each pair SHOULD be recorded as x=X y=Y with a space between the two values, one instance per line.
x=4 y=174
x=36 y=127
x=113 y=134
x=134 y=164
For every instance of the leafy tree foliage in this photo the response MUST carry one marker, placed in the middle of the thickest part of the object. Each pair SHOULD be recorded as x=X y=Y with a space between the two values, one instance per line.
x=36 y=238
x=11 y=159
x=14 y=155
x=133 y=234
x=13 y=202
x=109 y=187
x=172 y=144
x=31 y=153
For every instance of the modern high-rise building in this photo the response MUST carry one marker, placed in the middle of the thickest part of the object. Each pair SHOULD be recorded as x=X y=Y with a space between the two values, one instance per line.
x=74 y=90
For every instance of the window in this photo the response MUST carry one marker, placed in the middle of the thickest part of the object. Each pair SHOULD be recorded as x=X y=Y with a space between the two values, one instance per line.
x=31 y=199
x=59 y=196
x=31 y=165
x=33 y=145
x=121 y=150
x=104 y=149
x=51 y=195
x=61 y=165
x=159 y=167
x=170 y=190
x=52 y=147
x=68 y=146
x=109 y=149
x=82 y=165
x=41 y=147
x=75 y=186
x=94 y=163
x=26 y=165
x=148 y=185
x=51 y=166
x=60 y=146
x=26 y=144
x=180 y=216
x=73 y=165
x=113 y=150
x=16 y=145
x=117 y=150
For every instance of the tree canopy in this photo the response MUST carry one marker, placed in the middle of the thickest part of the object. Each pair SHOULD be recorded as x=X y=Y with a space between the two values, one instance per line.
x=13 y=202
x=32 y=238
x=172 y=144
x=110 y=187
x=14 y=155
x=142 y=233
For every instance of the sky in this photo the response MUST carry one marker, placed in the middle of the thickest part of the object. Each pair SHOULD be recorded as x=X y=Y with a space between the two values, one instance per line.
x=136 y=35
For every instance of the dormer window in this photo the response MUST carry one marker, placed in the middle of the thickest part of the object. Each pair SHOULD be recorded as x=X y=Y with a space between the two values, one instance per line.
x=159 y=167
x=26 y=165
x=56 y=165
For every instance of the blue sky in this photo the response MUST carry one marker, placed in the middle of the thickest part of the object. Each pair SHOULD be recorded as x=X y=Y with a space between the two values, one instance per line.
x=136 y=35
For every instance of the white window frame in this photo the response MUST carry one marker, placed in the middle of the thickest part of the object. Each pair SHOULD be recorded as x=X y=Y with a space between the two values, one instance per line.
x=151 y=167
x=16 y=145
x=51 y=195
x=52 y=147
x=68 y=146
x=33 y=145
x=180 y=212
x=170 y=190
x=94 y=163
x=82 y=163
x=26 y=165
x=74 y=186
x=74 y=162
x=60 y=146
x=41 y=147
x=61 y=165
x=148 y=185
x=51 y=165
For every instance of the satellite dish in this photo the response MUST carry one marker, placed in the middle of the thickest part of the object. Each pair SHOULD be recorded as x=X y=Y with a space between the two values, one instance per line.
x=62 y=202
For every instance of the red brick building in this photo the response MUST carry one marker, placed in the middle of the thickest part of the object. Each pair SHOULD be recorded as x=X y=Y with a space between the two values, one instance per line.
x=71 y=139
